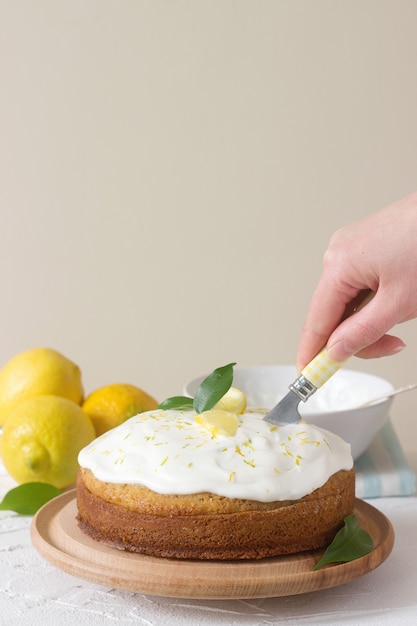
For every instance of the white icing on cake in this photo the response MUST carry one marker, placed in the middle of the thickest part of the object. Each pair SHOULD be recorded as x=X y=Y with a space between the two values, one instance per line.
x=168 y=452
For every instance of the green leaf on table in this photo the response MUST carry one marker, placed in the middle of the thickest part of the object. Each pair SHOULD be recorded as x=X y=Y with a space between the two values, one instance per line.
x=350 y=543
x=213 y=388
x=27 y=498
x=177 y=402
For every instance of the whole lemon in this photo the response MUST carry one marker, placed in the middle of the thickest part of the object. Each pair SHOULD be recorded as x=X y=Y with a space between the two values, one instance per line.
x=37 y=372
x=42 y=438
x=112 y=404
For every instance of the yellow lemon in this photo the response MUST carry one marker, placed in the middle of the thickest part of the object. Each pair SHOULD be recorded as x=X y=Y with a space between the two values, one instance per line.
x=219 y=422
x=234 y=400
x=37 y=372
x=112 y=404
x=42 y=438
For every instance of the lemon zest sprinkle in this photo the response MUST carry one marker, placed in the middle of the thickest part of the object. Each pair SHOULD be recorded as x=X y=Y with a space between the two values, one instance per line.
x=287 y=451
x=306 y=440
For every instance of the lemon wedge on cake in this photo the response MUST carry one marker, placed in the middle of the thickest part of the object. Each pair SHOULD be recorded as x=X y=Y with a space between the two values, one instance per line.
x=234 y=400
x=223 y=419
x=219 y=422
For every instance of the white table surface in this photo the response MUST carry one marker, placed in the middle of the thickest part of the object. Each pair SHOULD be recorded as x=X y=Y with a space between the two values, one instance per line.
x=32 y=591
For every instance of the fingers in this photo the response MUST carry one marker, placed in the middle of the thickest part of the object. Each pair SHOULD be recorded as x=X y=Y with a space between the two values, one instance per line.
x=362 y=334
x=365 y=332
x=327 y=307
x=388 y=345
x=378 y=253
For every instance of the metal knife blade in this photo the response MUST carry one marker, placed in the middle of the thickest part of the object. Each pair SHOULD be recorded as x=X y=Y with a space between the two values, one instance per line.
x=286 y=411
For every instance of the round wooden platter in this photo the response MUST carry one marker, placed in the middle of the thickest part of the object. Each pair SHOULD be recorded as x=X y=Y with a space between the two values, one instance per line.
x=57 y=537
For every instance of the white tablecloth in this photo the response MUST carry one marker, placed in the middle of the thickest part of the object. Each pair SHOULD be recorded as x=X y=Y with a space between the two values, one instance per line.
x=32 y=591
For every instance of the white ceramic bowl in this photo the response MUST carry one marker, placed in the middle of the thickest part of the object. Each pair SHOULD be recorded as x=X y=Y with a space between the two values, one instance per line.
x=334 y=406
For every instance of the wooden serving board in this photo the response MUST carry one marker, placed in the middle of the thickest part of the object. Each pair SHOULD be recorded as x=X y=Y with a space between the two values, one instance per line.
x=56 y=536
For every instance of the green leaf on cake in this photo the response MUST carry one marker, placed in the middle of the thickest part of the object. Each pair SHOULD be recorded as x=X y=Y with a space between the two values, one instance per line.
x=26 y=499
x=209 y=392
x=350 y=543
x=213 y=388
x=177 y=402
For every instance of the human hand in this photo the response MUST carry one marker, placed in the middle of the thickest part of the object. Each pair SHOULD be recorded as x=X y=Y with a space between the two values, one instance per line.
x=377 y=253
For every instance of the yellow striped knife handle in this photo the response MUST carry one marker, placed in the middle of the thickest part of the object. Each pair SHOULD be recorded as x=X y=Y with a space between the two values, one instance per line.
x=320 y=369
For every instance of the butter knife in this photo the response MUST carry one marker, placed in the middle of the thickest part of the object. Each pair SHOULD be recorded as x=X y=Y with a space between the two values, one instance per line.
x=313 y=376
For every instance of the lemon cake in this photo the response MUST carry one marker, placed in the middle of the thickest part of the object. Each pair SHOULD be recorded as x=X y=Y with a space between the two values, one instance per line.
x=175 y=484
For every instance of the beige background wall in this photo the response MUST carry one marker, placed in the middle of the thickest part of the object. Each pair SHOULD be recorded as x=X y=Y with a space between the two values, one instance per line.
x=171 y=170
